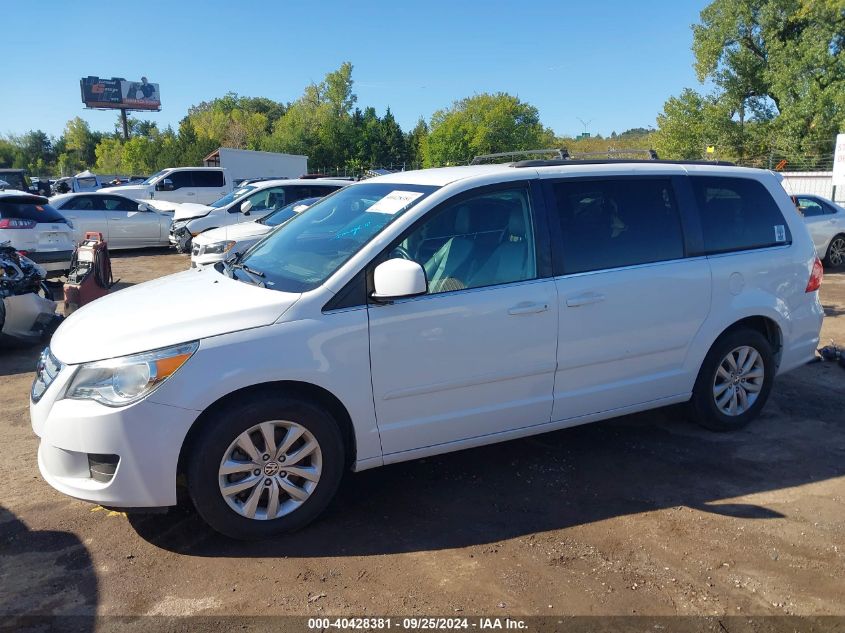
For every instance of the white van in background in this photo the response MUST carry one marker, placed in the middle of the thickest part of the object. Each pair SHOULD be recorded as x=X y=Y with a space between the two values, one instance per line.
x=201 y=185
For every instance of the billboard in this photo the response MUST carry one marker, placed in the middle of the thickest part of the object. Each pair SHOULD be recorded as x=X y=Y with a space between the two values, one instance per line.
x=120 y=94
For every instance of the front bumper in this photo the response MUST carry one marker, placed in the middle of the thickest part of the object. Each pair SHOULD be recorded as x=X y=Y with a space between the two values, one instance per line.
x=145 y=438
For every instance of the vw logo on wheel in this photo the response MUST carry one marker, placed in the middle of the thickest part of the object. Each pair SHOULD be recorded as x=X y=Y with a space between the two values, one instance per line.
x=271 y=468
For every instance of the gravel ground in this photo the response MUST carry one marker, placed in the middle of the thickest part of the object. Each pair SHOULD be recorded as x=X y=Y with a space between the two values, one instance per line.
x=645 y=514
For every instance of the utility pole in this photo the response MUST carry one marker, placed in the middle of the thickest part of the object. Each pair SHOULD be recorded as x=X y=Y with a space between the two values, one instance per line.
x=125 y=124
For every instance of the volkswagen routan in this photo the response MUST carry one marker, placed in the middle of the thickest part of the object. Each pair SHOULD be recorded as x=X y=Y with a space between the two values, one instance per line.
x=424 y=312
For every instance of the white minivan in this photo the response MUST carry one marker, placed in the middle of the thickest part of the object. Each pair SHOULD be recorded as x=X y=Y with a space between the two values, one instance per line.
x=424 y=312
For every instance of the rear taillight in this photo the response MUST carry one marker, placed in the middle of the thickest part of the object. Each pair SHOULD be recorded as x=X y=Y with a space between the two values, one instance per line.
x=815 y=276
x=17 y=223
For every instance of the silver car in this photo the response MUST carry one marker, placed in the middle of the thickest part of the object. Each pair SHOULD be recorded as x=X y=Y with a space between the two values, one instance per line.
x=124 y=223
x=825 y=221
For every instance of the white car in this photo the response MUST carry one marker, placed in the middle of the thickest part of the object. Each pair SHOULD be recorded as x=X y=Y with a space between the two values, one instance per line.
x=124 y=223
x=264 y=197
x=217 y=245
x=425 y=312
x=199 y=185
x=37 y=230
x=825 y=221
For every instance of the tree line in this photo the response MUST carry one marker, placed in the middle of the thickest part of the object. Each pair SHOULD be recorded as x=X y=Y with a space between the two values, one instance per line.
x=776 y=69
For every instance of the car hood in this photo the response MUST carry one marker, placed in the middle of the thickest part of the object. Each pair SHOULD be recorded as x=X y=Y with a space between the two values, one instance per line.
x=187 y=210
x=136 y=192
x=187 y=306
x=237 y=232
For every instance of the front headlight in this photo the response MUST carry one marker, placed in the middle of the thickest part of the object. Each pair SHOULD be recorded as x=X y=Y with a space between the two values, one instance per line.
x=219 y=248
x=121 y=381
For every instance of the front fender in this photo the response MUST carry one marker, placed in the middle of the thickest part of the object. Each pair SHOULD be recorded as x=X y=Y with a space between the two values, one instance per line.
x=331 y=353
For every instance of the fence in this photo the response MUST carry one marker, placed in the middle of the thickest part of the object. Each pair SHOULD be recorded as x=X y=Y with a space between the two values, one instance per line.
x=361 y=171
x=819 y=183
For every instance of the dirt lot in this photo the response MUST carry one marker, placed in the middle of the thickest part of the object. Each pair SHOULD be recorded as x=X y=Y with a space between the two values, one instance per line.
x=646 y=514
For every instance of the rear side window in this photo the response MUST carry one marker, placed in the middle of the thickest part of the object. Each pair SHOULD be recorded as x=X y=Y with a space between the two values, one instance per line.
x=738 y=214
x=811 y=208
x=610 y=223
x=208 y=179
x=29 y=211
x=180 y=179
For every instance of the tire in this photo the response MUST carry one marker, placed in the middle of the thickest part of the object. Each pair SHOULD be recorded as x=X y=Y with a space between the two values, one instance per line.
x=704 y=404
x=835 y=256
x=216 y=447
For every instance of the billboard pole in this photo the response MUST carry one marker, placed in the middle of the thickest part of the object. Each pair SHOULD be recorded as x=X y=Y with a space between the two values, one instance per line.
x=125 y=124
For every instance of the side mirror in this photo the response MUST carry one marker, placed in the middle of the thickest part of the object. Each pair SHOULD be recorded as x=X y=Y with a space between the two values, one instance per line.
x=142 y=207
x=246 y=205
x=165 y=185
x=397 y=279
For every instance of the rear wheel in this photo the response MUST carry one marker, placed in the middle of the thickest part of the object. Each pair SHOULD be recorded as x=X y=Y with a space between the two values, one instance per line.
x=835 y=252
x=265 y=468
x=734 y=381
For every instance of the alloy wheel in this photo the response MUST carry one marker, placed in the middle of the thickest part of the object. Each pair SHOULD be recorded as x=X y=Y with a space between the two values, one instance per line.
x=270 y=470
x=836 y=252
x=738 y=381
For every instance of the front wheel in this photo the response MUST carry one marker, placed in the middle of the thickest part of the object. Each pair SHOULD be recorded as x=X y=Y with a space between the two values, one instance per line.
x=734 y=381
x=264 y=468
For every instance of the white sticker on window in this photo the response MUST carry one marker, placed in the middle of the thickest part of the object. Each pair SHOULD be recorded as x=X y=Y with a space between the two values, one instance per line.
x=394 y=202
x=780 y=233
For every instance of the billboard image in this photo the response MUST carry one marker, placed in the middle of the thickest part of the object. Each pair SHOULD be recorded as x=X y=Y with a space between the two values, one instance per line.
x=120 y=94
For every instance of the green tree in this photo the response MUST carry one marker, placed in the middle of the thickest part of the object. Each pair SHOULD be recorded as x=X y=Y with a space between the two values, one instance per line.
x=109 y=153
x=485 y=124
x=416 y=144
x=82 y=142
x=778 y=71
x=320 y=123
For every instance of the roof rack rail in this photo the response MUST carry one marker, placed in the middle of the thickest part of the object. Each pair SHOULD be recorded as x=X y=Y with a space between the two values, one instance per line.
x=557 y=163
x=560 y=154
x=615 y=156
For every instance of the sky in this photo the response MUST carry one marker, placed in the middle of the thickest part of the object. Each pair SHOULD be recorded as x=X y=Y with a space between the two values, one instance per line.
x=610 y=63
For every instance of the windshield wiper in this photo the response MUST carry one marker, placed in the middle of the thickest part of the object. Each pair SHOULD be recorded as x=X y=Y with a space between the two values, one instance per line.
x=254 y=275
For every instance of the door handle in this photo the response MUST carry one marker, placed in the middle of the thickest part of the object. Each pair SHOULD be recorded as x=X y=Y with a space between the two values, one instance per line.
x=585 y=299
x=190 y=193
x=527 y=307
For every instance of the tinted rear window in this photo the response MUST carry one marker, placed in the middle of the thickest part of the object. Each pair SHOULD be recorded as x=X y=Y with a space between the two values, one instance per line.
x=611 y=223
x=30 y=211
x=738 y=214
x=208 y=179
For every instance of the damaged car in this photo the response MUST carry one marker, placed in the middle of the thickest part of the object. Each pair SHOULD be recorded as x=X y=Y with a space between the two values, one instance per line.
x=27 y=311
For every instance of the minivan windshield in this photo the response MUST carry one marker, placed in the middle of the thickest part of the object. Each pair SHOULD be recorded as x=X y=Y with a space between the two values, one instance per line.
x=230 y=197
x=305 y=251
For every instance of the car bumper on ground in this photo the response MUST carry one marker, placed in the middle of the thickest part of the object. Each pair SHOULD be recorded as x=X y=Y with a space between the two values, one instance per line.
x=121 y=457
